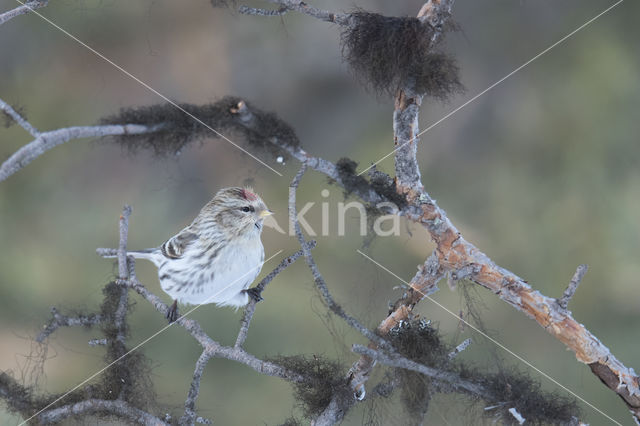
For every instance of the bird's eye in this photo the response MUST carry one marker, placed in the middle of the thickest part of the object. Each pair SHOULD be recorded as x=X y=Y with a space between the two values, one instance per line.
x=247 y=209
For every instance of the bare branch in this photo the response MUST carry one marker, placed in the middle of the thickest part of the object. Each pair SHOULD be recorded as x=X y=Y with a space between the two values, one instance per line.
x=251 y=306
x=423 y=283
x=47 y=140
x=323 y=15
x=517 y=415
x=15 y=116
x=436 y=13
x=407 y=107
x=335 y=411
x=190 y=404
x=396 y=360
x=319 y=280
x=248 y=120
x=213 y=347
x=116 y=408
x=573 y=286
x=245 y=10
x=22 y=9
x=461 y=347
x=455 y=254
x=122 y=246
x=58 y=320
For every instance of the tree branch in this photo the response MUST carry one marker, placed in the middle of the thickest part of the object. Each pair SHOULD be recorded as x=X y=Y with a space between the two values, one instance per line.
x=247 y=119
x=22 y=9
x=398 y=361
x=190 y=404
x=302 y=7
x=207 y=343
x=15 y=116
x=461 y=347
x=245 y=10
x=335 y=411
x=47 y=140
x=573 y=286
x=116 y=408
x=455 y=254
x=407 y=107
x=251 y=306
x=319 y=280
x=422 y=284
x=58 y=320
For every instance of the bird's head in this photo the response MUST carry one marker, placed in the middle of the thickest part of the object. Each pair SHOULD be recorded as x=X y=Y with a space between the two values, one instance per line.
x=239 y=211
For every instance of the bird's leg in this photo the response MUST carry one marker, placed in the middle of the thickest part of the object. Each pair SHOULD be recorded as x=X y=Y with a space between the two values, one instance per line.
x=172 y=313
x=254 y=293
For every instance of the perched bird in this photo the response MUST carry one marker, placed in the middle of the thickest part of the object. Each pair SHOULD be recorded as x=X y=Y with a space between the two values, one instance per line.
x=217 y=257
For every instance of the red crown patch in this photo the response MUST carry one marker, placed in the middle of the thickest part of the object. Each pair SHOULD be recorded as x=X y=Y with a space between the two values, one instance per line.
x=248 y=195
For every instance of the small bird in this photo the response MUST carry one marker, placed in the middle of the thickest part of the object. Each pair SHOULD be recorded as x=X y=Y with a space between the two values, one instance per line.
x=217 y=257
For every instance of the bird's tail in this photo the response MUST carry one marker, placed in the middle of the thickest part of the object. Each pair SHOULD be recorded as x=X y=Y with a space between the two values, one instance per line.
x=149 y=254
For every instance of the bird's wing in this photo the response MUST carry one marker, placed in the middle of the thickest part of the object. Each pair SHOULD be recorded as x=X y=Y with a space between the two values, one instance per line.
x=175 y=246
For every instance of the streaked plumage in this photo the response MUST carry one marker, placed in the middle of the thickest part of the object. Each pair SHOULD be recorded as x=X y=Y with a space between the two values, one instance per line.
x=216 y=258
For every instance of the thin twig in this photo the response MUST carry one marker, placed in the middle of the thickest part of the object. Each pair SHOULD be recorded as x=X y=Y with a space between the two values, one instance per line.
x=15 y=116
x=406 y=126
x=573 y=286
x=304 y=8
x=122 y=246
x=47 y=140
x=399 y=361
x=58 y=320
x=22 y=9
x=190 y=404
x=319 y=280
x=461 y=347
x=251 y=306
x=217 y=350
x=320 y=165
x=116 y=408
x=120 y=313
x=335 y=411
x=245 y=10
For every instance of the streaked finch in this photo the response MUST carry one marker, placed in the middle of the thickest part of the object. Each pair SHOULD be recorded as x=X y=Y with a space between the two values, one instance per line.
x=217 y=257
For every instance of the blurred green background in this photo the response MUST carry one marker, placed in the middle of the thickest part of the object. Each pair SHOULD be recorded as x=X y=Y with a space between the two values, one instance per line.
x=541 y=173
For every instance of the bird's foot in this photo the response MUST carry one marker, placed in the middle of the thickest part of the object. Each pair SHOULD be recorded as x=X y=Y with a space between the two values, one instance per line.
x=254 y=294
x=172 y=313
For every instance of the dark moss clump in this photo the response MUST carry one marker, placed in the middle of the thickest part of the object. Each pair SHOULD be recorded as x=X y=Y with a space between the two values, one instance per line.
x=130 y=377
x=324 y=380
x=513 y=389
x=178 y=129
x=351 y=182
x=420 y=342
x=380 y=183
x=23 y=399
x=438 y=76
x=384 y=185
x=18 y=398
x=292 y=421
x=388 y=53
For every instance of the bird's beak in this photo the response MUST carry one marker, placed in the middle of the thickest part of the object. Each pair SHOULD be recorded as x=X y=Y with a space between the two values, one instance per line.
x=265 y=213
